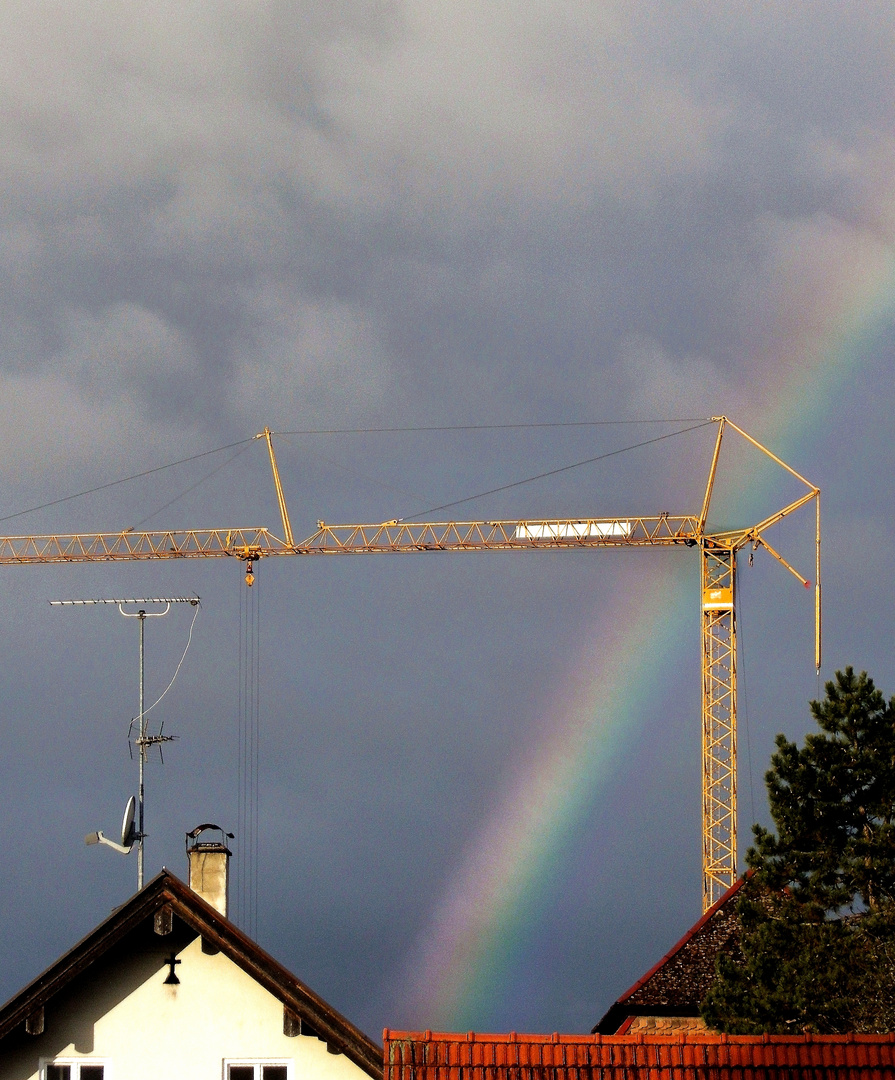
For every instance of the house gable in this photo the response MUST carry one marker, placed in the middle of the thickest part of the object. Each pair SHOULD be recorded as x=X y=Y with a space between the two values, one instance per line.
x=112 y=997
x=670 y=993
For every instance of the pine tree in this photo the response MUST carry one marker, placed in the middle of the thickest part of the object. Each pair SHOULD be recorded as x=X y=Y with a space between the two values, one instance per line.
x=818 y=911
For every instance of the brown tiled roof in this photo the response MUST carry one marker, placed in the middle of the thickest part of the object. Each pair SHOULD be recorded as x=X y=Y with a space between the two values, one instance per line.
x=167 y=894
x=428 y=1056
x=676 y=985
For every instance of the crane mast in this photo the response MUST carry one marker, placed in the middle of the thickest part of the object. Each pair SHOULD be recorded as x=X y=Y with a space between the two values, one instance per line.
x=718 y=556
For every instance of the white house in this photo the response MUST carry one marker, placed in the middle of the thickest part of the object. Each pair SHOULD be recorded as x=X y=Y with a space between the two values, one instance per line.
x=168 y=987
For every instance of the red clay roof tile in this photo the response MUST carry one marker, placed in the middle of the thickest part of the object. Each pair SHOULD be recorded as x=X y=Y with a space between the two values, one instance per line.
x=415 y=1056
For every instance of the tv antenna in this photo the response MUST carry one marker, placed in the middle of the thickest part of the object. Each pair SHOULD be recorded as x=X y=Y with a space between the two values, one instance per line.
x=144 y=741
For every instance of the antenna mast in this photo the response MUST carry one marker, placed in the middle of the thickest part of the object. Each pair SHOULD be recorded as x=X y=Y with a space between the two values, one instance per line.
x=144 y=741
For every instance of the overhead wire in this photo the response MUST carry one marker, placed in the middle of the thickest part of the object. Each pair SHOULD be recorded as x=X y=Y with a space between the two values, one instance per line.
x=489 y=427
x=555 y=472
x=193 y=487
x=123 y=480
x=244 y=443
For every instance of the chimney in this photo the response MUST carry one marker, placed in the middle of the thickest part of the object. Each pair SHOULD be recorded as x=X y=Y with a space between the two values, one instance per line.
x=210 y=865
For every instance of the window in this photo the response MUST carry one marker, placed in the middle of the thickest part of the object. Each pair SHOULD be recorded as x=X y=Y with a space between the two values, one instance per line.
x=256 y=1070
x=74 y=1069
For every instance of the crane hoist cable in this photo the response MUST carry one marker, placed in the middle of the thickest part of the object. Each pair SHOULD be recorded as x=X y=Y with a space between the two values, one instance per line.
x=249 y=758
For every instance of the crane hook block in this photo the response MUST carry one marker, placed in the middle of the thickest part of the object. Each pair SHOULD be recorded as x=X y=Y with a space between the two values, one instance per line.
x=250 y=573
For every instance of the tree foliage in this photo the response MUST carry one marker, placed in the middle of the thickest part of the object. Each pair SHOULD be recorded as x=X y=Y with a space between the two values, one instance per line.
x=817 y=914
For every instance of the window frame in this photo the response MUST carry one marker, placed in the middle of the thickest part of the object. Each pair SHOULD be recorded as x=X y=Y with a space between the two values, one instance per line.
x=257 y=1063
x=44 y=1064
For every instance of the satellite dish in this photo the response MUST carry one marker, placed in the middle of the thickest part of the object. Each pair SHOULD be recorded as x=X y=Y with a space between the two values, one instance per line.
x=127 y=823
x=128 y=833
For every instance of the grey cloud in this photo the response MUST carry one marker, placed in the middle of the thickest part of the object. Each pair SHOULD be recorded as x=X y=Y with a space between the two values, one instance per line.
x=402 y=158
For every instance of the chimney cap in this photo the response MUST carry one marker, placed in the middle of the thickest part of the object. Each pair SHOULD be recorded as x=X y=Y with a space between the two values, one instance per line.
x=220 y=844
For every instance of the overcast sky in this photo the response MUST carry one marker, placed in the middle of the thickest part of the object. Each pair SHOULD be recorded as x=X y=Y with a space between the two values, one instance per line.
x=218 y=216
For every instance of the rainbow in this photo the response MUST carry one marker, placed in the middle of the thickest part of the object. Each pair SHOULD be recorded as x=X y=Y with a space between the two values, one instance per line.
x=461 y=970
x=496 y=895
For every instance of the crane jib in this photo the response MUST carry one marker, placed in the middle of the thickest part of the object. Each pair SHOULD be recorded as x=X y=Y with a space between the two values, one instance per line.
x=718 y=551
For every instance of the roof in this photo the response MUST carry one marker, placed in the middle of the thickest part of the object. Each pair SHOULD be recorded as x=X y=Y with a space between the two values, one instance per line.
x=677 y=984
x=166 y=896
x=428 y=1056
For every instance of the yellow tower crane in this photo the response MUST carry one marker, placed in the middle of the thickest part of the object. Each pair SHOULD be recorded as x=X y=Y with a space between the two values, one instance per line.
x=718 y=552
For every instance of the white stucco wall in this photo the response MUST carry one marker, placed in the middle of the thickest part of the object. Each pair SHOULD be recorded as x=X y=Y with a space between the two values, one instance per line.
x=216 y=1013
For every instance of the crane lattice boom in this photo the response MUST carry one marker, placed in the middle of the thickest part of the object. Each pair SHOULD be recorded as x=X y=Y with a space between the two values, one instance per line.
x=129 y=546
